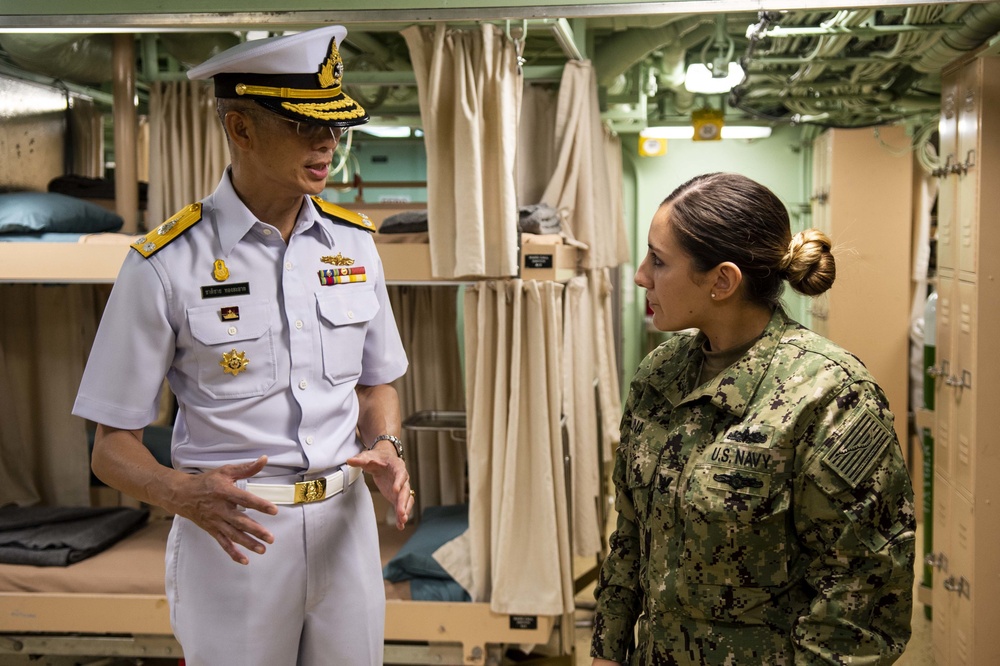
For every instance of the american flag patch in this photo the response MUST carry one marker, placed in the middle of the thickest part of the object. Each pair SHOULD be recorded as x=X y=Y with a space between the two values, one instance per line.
x=861 y=446
x=330 y=276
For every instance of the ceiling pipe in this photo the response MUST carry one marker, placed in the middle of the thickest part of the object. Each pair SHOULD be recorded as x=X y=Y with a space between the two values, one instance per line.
x=48 y=81
x=624 y=50
x=87 y=59
x=70 y=57
x=365 y=43
x=979 y=23
x=194 y=48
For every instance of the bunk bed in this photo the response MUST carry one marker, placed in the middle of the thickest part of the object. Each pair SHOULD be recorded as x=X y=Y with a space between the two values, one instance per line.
x=114 y=604
x=71 y=258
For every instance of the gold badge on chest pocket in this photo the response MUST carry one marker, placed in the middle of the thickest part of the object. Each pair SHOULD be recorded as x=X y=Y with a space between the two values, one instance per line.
x=234 y=362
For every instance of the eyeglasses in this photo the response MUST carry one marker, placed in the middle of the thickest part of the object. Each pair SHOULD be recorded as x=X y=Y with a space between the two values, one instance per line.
x=302 y=129
x=311 y=131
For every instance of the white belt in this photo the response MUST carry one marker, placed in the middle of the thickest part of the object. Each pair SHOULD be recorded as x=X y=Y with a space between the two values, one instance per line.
x=304 y=492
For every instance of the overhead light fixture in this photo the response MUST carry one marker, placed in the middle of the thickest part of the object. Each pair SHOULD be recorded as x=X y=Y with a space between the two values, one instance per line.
x=746 y=132
x=717 y=74
x=687 y=132
x=385 y=131
x=701 y=79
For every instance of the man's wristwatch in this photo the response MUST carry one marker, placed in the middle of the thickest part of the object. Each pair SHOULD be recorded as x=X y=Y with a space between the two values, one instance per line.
x=394 y=440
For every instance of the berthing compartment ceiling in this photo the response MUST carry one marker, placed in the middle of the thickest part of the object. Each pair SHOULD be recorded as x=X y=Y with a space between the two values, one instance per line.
x=826 y=65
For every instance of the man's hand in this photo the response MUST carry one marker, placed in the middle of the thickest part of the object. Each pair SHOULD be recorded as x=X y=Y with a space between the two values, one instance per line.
x=210 y=500
x=378 y=414
x=389 y=473
x=213 y=502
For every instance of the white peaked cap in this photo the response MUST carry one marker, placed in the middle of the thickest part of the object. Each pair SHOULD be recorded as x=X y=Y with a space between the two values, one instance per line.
x=298 y=76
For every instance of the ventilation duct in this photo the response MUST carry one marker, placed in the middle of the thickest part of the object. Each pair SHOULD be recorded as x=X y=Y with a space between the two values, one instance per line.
x=86 y=59
x=627 y=48
x=197 y=47
x=980 y=23
x=67 y=57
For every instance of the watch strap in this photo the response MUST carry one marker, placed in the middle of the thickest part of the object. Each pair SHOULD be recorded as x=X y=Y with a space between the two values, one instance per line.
x=395 y=441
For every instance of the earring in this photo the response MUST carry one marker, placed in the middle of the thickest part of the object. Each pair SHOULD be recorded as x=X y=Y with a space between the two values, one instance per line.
x=713 y=294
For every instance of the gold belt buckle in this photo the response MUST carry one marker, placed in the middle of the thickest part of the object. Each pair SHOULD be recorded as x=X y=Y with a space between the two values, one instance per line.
x=310 y=491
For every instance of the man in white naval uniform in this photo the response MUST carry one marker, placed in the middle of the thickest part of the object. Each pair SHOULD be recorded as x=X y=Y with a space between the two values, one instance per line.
x=266 y=310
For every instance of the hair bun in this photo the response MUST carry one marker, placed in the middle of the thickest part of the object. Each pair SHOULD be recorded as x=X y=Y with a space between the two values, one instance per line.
x=808 y=264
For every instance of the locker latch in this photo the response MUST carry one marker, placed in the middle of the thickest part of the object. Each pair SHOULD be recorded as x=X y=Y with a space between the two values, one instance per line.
x=937 y=560
x=958 y=585
x=964 y=382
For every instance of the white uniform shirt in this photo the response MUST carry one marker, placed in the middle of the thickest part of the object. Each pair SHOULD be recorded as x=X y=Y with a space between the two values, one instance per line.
x=304 y=345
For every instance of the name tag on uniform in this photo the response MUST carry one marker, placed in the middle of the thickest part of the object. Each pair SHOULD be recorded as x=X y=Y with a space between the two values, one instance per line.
x=217 y=291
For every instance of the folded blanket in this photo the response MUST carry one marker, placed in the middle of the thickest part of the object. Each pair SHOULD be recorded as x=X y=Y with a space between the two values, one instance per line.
x=405 y=222
x=59 y=536
x=539 y=219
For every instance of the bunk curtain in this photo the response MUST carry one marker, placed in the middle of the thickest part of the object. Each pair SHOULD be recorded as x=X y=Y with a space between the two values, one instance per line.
x=602 y=293
x=591 y=404
x=469 y=91
x=427 y=319
x=540 y=356
x=543 y=412
x=86 y=128
x=585 y=186
x=187 y=147
x=45 y=335
x=568 y=160
x=44 y=341
x=518 y=537
x=536 y=148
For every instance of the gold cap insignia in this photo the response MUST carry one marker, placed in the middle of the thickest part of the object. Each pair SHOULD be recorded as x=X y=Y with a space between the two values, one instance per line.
x=331 y=72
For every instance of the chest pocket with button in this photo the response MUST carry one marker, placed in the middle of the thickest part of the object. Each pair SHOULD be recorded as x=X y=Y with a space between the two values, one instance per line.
x=344 y=312
x=736 y=543
x=245 y=346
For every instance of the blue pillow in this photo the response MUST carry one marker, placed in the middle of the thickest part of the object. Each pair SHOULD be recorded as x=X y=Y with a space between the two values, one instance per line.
x=41 y=212
x=438 y=526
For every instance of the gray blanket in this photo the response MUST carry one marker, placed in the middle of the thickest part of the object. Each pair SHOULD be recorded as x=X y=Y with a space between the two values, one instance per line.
x=59 y=536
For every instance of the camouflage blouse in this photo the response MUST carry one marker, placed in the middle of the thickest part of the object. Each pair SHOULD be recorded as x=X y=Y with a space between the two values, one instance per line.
x=764 y=517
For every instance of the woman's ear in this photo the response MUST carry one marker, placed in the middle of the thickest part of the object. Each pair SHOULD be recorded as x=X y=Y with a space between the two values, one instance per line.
x=728 y=278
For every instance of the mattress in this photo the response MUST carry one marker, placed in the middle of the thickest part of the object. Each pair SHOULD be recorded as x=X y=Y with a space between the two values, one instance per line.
x=58 y=258
x=63 y=258
x=135 y=565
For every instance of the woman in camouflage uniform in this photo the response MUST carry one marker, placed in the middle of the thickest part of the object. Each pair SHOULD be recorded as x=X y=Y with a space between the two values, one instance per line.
x=765 y=513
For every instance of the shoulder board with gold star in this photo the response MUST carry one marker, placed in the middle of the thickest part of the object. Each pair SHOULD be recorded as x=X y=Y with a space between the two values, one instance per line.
x=338 y=214
x=157 y=238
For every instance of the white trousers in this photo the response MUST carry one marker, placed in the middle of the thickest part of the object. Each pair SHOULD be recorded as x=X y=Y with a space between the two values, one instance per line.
x=315 y=598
